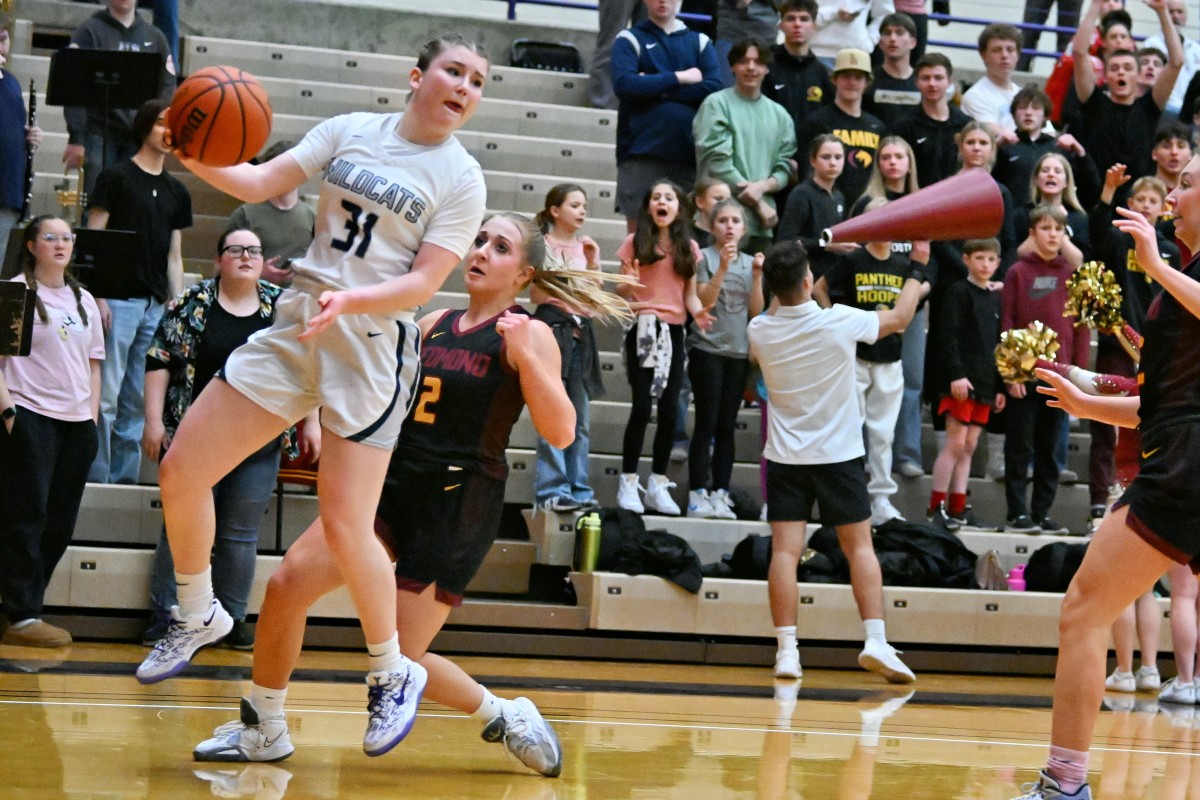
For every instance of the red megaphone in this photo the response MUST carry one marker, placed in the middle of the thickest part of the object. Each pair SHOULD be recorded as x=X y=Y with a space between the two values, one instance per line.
x=965 y=206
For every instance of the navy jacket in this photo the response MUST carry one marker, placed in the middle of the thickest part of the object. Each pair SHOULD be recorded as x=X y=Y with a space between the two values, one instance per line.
x=655 y=114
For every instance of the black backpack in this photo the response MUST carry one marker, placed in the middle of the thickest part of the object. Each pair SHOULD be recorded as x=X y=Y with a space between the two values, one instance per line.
x=1052 y=566
x=626 y=546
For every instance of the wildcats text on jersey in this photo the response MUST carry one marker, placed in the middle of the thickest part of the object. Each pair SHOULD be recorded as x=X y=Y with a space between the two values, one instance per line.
x=374 y=187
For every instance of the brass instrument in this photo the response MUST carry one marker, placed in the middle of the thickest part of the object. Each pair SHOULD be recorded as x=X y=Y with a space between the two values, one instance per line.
x=72 y=201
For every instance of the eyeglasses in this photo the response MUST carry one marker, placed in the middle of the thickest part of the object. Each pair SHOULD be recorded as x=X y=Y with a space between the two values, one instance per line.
x=237 y=250
x=57 y=237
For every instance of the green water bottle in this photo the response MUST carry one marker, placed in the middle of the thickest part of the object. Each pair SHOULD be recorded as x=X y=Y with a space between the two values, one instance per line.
x=587 y=542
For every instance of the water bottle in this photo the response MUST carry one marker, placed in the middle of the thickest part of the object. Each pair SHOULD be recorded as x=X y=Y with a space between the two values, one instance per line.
x=587 y=542
x=1016 y=578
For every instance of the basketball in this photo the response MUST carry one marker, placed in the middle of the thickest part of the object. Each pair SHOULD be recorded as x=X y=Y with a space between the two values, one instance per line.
x=220 y=116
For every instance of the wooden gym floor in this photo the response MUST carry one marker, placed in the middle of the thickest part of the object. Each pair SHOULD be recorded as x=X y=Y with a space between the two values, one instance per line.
x=75 y=724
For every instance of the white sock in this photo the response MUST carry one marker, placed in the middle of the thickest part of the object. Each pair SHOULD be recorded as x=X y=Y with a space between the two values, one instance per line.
x=489 y=709
x=195 y=592
x=786 y=636
x=385 y=656
x=267 y=702
x=875 y=630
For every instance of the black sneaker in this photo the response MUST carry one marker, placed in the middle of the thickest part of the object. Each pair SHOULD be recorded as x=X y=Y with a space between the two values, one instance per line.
x=1021 y=524
x=1048 y=525
x=968 y=520
x=241 y=637
x=940 y=518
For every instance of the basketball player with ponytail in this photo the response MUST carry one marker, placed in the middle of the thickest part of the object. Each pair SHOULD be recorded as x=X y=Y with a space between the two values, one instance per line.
x=399 y=205
x=441 y=504
x=49 y=401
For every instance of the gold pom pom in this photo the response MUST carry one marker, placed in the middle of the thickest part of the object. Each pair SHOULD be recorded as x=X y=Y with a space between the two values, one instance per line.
x=1094 y=296
x=1020 y=348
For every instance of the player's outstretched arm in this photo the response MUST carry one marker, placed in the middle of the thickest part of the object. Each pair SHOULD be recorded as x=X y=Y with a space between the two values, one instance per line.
x=533 y=353
x=432 y=265
x=1181 y=287
x=251 y=183
x=1122 y=411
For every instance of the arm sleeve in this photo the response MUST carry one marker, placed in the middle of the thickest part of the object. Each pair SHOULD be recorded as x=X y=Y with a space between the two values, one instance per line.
x=865 y=324
x=318 y=146
x=627 y=83
x=456 y=220
x=951 y=335
x=710 y=68
x=713 y=132
x=782 y=169
x=974 y=106
x=795 y=221
x=1100 y=230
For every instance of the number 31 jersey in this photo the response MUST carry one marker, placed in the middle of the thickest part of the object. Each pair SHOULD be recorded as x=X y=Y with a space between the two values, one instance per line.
x=468 y=399
x=382 y=197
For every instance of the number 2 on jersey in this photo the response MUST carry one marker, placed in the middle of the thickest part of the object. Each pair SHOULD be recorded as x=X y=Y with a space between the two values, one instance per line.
x=354 y=228
x=431 y=391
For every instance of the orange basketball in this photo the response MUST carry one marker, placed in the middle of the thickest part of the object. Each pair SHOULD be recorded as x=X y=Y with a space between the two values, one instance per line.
x=220 y=116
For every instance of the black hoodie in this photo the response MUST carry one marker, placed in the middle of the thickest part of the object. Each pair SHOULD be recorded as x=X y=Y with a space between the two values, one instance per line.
x=801 y=85
x=102 y=31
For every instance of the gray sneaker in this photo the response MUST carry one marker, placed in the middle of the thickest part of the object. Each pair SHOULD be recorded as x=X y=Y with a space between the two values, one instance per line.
x=249 y=738
x=392 y=700
x=1046 y=788
x=527 y=736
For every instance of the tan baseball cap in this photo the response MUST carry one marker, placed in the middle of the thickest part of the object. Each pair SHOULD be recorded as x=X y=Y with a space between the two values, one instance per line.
x=851 y=58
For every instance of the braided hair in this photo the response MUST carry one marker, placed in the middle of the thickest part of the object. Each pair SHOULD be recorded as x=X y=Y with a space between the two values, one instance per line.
x=28 y=264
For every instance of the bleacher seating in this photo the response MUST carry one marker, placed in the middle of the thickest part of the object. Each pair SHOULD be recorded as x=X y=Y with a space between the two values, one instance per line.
x=531 y=132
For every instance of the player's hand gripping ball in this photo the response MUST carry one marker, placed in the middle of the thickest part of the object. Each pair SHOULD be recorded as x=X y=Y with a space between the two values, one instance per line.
x=220 y=116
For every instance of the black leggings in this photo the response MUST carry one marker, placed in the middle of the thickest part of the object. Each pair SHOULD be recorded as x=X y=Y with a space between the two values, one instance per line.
x=640 y=380
x=718 y=383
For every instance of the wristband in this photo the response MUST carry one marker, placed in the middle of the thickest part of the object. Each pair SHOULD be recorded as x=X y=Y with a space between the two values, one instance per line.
x=917 y=273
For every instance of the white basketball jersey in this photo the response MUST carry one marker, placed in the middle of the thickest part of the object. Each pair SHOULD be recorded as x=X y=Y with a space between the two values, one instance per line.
x=382 y=197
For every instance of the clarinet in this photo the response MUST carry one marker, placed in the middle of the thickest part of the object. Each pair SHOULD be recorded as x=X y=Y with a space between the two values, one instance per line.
x=30 y=149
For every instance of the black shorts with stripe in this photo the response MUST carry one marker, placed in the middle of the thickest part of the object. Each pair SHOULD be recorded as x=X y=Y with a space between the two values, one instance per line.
x=439 y=523
x=840 y=491
x=1164 y=499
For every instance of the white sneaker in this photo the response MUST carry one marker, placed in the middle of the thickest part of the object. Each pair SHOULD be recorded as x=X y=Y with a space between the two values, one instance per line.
x=1148 y=679
x=1121 y=682
x=184 y=636
x=658 y=495
x=881 y=657
x=882 y=510
x=722 y=504
x=1047 y=788
x=699 y=505
x=628 y=490
x=392 y=699
x=787 y=691
x=1175 y=691
x=527 y=736
x=256 y=781
x=787 y=664
x=249 y=738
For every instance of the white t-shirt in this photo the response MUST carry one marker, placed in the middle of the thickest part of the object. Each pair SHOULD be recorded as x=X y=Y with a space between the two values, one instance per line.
x=55 y=379
x=807 y=358
x=1191 y=63
x=987 y=102
x=382 y=197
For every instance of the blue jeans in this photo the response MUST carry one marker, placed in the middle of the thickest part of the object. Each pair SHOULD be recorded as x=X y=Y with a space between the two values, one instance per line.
x=240 y=500
x=101 y=152
x=907 y=444
x=564 y=473
x=122 y=399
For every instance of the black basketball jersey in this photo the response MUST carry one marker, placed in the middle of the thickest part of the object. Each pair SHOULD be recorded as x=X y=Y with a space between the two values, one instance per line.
x=468 y=399
x=1169 y=374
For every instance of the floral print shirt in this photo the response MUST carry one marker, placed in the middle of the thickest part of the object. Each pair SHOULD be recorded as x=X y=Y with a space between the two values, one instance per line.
x=176 y=342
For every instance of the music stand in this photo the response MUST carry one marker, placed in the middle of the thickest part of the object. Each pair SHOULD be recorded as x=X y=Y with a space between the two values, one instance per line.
x=105 y=262
x=16 y=318
x=103 y=79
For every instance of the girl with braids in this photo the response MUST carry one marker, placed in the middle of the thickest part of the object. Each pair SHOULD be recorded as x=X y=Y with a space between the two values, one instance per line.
x=441 y=504
x=661 y=256
x=560 y=482
x=48 y=403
